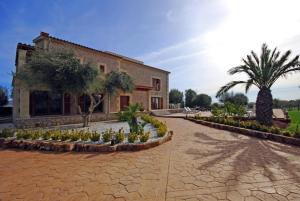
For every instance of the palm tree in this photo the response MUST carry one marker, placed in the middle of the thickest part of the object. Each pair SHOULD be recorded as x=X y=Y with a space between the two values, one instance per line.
x=130 y=114
x=263 y=72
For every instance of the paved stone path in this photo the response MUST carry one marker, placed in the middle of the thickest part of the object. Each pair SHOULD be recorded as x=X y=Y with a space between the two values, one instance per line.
x=200 y=163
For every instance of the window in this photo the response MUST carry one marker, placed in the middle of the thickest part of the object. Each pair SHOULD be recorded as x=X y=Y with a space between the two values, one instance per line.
x=45 y=103
x=84 y=103
x=156 y=84
x=156 y=103
x=102 y=68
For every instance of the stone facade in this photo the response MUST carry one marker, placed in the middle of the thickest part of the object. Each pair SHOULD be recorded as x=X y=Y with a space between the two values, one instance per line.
x=142 y=75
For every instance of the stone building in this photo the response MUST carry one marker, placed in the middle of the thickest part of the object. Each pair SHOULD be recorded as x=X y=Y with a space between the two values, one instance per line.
x=39 y=107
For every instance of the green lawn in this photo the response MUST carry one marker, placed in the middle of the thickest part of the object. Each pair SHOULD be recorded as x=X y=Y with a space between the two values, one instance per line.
x=294 y=115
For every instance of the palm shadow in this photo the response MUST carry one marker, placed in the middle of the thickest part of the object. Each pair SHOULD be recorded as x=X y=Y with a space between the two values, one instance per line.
x=248 y=153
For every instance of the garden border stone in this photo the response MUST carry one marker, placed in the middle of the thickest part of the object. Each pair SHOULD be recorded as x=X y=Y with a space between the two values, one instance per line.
x=249 y=132
x=47 y=145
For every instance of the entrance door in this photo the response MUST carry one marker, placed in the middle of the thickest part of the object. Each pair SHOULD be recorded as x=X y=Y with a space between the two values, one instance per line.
x=124 y=102
x=156 y=103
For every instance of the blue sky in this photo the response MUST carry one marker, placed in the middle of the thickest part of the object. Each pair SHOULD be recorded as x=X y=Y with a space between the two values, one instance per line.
x=196 y=40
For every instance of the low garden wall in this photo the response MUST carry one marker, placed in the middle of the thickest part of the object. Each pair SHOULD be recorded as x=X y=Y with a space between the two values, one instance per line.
x=44 y=145
x=48 y=121
x=250 y=132
x=162 y=112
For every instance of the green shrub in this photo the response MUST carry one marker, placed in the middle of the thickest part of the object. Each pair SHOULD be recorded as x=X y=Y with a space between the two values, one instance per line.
x=297 y=132
x=145 y=136
x=23 y=134
x=55 y=134
x=132 y=137
x=120 y=136
x=84 y=135
x=274 y=129
x=95 y=136
x=160 y=126
x=64 y=136
x=6 y=132
x=35 y=134
x=161 y=130
x=46 y=135
x=287 y=133
x=107 y=135
x=74 y=136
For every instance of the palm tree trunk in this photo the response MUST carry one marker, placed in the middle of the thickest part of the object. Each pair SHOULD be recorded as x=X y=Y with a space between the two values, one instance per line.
x=264 y=107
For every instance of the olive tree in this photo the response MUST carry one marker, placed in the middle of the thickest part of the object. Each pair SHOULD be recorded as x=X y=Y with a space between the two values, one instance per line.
x=61 y=71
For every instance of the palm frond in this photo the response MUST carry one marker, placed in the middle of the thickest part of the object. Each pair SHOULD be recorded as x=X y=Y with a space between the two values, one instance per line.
x=263 y=71
x=255 y=57
x=228 y=86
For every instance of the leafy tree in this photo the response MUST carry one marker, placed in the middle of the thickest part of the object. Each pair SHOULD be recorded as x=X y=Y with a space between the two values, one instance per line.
x=238 y=98
x=61 y=71
x=202 y=100
x=190 y=96
x=263 y=72
x=3 y=96
x=175 y=96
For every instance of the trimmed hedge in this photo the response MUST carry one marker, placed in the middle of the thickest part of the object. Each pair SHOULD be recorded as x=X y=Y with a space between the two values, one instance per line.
x=160 y=126
x=250 y=125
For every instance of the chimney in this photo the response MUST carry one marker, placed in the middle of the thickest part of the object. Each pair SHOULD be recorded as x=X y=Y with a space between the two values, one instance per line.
x=44 y=34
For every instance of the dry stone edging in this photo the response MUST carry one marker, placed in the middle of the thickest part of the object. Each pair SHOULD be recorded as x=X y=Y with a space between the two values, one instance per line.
x=249 y=132
x=42 y=145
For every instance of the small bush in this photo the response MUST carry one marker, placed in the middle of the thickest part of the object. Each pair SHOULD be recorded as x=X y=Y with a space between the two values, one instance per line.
x=160 y=127
x=6 y=132
x=161 y=130
x=145 y=137
x=107 y=135
x=274 y=130
x=84 y=135
x=95 y=136
x=120 y=136
x=132 y=137
x=74 y=136
x=36 y=134
x=297 y=132
x=55 y=134
x=46 y=135
x=287 y=133
x=23 y=134
x=65 y=136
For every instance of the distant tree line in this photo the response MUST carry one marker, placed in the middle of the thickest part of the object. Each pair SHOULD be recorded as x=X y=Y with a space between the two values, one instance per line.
x=3 y=96
x=190 y=98
x=286 y=104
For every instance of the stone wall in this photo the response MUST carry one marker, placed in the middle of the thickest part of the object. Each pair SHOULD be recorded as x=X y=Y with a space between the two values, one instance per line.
x=48 y=121
x=142 y=75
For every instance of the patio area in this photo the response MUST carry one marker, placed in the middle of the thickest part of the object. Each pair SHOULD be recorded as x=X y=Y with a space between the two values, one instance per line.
x=200 y=163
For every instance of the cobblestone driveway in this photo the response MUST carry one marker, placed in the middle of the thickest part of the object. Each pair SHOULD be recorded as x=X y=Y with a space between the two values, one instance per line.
x=200 y=163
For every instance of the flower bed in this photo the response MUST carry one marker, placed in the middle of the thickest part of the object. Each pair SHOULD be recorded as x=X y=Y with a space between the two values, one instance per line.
x=85 y=140
x=250 y=130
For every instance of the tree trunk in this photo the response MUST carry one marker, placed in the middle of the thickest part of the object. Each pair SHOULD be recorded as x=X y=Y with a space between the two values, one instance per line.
x=108 y=107
x=264 y=107
x=85 y=120
x=87 y=115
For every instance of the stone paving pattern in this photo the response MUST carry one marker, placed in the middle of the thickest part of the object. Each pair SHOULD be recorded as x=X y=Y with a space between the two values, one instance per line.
x=200 y=163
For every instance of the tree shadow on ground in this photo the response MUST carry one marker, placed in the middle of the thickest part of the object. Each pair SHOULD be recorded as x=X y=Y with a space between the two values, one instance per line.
x=247 y=154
